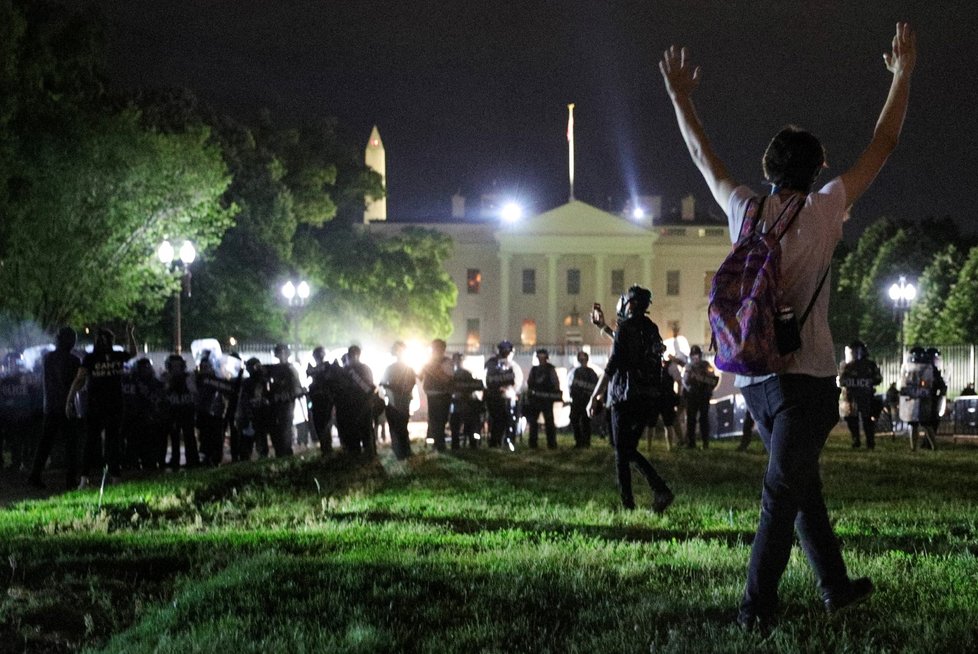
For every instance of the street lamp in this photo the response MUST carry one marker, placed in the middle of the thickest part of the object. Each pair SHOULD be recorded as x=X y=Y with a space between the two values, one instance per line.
x=178 y=260
x=295 y=295
x=902 y=293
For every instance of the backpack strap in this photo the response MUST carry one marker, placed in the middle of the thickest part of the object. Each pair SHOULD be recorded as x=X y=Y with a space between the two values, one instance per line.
x=811 y=304
x=780 y=234
x=751 y=219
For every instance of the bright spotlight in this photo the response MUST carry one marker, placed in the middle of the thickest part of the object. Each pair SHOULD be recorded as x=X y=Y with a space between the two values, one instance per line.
x=165 y=253
x=188 y=252
x=288 y=290
x=303 y=290
x=638 y=213
x=511 y=212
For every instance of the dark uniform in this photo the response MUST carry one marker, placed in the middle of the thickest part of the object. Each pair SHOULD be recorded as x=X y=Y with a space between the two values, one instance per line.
x=582 y=382
x=465 y=417
x=543 y=389
x=285 y=389
x=436 y=381
x=212 y=396
x=500 y=397
x=699 y=380
x=254 y=414
x=858 y=380
x=103 y=414
x=398 y=381
x=181 y=402
x=21 y=404
x=321 y=400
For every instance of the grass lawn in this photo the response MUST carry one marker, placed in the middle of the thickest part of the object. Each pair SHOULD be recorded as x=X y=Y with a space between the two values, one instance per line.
x=483 y=550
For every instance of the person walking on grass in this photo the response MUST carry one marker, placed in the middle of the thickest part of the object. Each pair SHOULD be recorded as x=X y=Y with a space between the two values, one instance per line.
x=796 y=408
x=632 y=383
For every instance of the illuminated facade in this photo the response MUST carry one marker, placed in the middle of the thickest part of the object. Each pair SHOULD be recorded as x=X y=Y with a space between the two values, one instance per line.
x=534 y=281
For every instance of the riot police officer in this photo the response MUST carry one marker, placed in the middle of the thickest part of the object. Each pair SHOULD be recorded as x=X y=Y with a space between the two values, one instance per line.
x=581 y=383
x=858 y=379
x=922 y=395
x=543 y=389
x=503 y=378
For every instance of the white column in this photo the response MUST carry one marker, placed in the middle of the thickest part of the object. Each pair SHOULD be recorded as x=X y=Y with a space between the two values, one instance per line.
x=647 y=270
x=552 y=321
x=505 y=260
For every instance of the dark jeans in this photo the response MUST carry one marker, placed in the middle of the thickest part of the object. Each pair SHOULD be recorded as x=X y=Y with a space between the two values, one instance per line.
x=58 y=425
x=400 y=441
x=438 y=408
x=283 y=431
x=532 y=416
x=322 y=411
x=628 y=420
x=864 y=407
x=697 y=410
x=502 y=421
x=581 y=424
x=794 y=415
x=95 y=456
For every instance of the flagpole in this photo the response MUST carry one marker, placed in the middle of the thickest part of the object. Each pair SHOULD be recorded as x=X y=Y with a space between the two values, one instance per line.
x=570 y=147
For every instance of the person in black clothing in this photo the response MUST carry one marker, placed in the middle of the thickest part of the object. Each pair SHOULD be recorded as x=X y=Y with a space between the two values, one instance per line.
x=503 y=377
x=581 y=383
x=436 y=381
x=632 y=382
x=21 y=401
x=699 y=380
x=465 y=419
x=543 y=389
x=60 y=368
x=181 y=400
x=356 y=404
x=285 y=389
x=254 y=415
x=321 y=398
x=101 y=373
x=858 y=379
x=398 y=383
x=212 y=393
x=236 y=368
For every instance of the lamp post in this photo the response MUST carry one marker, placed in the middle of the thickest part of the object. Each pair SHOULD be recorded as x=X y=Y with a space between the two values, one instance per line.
x=902 y=293
x=295 y=295
x=178 y=260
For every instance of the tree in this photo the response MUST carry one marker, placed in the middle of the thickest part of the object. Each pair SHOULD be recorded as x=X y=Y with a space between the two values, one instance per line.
x=392 y=287
x=95 y=201
x=959 y=319
x=897 y=256
x=923 y=322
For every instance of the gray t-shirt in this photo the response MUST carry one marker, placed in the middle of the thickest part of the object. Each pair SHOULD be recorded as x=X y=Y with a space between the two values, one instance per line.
x=806 y=253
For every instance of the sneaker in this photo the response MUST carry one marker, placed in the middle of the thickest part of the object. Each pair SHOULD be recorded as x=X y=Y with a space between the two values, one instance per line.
x=662 y=501
x=858 y=591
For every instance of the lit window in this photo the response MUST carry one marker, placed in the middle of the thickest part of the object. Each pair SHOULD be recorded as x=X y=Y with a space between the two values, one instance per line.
x=529 y=281
x=672 y=282
x=707 y=282
x=618 y=281
x=472 y=336
x=474 y=280
x=528 y=333
x=573 y=281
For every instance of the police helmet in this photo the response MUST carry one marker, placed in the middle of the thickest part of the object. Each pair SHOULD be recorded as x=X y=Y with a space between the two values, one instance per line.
x=504 y=348
x=639 y=296
x=918 y=355
x=859 y=350
x=933 y=355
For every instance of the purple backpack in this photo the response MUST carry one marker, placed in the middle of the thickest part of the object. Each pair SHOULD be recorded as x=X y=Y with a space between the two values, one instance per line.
x=745 y=298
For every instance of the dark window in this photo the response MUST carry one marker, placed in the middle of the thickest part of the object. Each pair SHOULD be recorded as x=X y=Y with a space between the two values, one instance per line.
x=672 y=282
x=529 y=281
x=618 y=281
x=573 y=281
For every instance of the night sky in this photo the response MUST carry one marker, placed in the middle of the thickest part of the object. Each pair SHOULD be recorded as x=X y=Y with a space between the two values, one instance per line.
x=472 y=96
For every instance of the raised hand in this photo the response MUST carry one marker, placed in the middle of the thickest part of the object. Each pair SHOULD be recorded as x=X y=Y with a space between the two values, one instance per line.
x=903 y=56
x=680 y=76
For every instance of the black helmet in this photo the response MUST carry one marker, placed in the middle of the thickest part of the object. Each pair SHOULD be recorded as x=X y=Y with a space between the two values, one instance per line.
x=918 y=355
x=933 y=355
x=504 y=347
x=859 y=350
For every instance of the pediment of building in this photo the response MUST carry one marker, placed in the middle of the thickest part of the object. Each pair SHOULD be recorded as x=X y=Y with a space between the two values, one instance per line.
x=575 y=226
